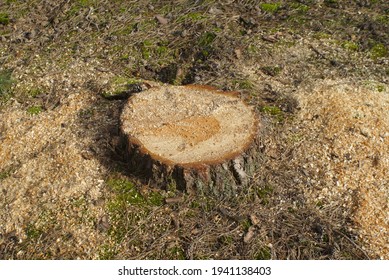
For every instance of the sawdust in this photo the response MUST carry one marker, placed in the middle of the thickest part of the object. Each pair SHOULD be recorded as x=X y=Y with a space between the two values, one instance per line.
x=52 y=187
x=344 y=140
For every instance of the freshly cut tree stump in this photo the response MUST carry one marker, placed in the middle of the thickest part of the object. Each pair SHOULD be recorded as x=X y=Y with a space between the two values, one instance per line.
x=194 y=137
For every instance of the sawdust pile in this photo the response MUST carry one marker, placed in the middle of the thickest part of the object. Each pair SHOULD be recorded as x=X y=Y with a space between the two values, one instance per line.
x=55 y=184
x=343 y=137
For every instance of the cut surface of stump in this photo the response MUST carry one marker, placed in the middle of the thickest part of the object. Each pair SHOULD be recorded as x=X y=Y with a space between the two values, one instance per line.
x=187 y=134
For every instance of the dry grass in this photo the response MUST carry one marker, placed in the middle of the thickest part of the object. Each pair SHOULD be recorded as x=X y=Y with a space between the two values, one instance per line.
x=320 y=87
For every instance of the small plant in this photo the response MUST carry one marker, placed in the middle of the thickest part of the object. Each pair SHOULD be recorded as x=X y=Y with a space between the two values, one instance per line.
x=34 y=110
x=4 y=18
x=270 y=8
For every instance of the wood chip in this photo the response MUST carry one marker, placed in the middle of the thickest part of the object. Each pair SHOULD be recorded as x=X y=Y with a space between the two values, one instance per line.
x=161 y=19
x=238 y=53
x=250 y=234
x=176 y=199
x=254 y=219
x=270 y=39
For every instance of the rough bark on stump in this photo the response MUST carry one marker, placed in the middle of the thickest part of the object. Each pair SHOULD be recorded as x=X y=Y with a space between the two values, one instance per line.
x=195 y=137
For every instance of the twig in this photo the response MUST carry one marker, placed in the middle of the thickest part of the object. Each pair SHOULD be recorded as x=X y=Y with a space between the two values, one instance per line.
x=352 y=242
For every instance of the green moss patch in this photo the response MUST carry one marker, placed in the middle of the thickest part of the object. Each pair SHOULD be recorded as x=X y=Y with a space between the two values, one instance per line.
x=270 y=7
x=274 y=111
x=118 y=85
x=5 y=82
x=378 y=50
x=4 y=18
x=34 y=110
x=350 y=46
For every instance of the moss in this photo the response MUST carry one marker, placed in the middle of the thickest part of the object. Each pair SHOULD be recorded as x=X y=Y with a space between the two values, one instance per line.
x=118 y=85
x=380 y=88
x=126 y=193
x=196 y=16
x=4 y=18
x=107 y=252
x=126 y=207
x=6 y=82
x=378 y=50
x=86 y=113
x=194 y=205
x=4 y=174
x=350 y=46
x=127 y=30
x=155 y=198
x=146 y=49
x=321 y=35
x=34 y=92
x=300 y=8
x=226 y=240
x=273 y=111
x=382 y=19
x=243 y=84
x=34 y=110
x=206 y=39
x=263 y=253
x=79 y=5
x=176 y=253
x=270 y=7
x=33 y=232
x=264 y=193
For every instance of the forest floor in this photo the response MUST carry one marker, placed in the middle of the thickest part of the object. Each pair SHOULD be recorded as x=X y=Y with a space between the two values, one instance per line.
x=315 y=71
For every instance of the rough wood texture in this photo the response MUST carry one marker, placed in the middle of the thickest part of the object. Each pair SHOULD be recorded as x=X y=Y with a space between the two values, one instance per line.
x=194 y=137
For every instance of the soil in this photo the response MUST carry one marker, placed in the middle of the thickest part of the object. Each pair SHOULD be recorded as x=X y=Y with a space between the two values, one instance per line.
x=315 y=72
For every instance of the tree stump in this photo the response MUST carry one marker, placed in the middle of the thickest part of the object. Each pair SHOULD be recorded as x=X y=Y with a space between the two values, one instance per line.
x=194 y=137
